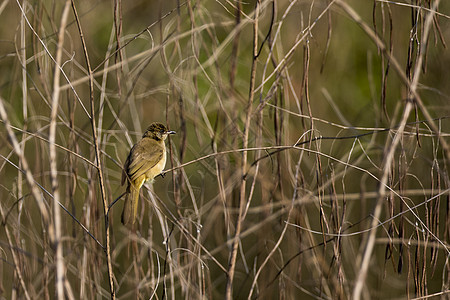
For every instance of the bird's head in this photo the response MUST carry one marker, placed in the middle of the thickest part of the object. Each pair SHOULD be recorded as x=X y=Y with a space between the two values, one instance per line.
x=157 y=131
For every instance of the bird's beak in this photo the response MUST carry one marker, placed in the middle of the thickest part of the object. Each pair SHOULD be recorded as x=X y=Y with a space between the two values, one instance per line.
x=171 y=132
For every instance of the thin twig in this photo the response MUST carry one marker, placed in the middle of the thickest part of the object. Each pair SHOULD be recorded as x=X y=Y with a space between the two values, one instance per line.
x=57 y=241
x=98 y=158
x=242 y=196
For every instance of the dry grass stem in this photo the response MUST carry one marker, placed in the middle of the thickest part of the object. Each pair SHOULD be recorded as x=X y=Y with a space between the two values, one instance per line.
x=310 y=160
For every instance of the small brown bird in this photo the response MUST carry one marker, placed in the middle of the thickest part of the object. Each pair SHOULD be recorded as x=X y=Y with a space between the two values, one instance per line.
x=146 y=160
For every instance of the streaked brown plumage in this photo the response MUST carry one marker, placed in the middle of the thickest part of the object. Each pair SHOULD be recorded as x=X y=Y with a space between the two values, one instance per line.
x=145 y=161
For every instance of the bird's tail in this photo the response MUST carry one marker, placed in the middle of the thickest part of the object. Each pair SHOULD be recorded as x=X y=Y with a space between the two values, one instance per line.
x=129 y=211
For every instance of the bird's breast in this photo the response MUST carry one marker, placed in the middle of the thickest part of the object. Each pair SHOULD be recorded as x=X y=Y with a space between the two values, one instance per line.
x=158 y=168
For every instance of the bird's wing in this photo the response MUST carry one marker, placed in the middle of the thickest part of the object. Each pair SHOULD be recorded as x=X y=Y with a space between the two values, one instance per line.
x=144 y=156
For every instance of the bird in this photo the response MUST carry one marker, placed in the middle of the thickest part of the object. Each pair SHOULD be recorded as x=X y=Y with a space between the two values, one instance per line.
x=146 y=160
